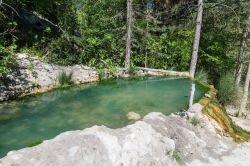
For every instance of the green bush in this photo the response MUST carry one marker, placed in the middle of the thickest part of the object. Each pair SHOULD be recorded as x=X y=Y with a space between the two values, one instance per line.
x=177 y=156
x=66 y=51
x=64 y=78
x=7 y=59
x=202 y=76
x=133 y=70
x=101 y=73
x=229 y=93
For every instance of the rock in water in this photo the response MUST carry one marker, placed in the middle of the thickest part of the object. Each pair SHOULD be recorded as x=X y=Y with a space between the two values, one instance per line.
x=133 y=116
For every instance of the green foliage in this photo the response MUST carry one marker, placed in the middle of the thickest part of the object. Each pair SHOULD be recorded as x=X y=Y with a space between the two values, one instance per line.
x=229 y=94
x=66 y=51
x=202 y=76
x=64 y=78
x=7 y=59
x=35 y=85
x=92 y=32
x=177 y=156
x=101 y=74
x=133 y=70
x=30 y=67
x=195 y=121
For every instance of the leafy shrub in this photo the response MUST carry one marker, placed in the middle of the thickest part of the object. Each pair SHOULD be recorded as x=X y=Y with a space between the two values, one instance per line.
x=66 y=51
x=101 y=73
x=65 y=78
x=229 y=93
x=202 y=76
x=133 y=70
x=7 y=59
x=195 y=121
x=177 y=156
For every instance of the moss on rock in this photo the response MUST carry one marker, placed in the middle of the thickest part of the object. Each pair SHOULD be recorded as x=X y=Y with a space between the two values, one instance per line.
x=214 y=110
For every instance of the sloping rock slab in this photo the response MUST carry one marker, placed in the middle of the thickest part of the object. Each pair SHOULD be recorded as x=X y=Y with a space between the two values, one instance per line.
x=158 y=140
x=135 y=145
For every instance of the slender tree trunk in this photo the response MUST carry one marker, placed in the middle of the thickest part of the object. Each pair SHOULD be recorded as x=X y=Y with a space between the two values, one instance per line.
x=196 y=38
x=241 y=56
x=146 y=55
x=129 y=33
x=245 y=93
x=147 y=28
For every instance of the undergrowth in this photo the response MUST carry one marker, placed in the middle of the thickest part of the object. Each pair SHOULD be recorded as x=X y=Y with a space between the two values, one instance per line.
x=65 y=78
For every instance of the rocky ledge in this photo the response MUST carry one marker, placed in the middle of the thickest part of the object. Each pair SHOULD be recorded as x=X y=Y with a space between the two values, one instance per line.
x=156 y=140
x=34 y=75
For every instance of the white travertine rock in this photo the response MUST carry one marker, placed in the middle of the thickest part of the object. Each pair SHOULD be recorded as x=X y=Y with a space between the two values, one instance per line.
x=31 y=70
x=156 y=140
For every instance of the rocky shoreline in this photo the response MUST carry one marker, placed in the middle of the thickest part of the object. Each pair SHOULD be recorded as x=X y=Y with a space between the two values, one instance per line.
x=33 y=75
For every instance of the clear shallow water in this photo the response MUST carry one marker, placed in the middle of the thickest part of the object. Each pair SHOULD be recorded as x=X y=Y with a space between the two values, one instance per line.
x=40 y=117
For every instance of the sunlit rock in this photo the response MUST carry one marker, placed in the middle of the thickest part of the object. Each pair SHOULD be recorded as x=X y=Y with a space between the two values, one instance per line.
x=133 y=116
x=231 y=110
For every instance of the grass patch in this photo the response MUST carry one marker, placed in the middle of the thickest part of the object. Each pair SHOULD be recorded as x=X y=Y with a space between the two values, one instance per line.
x=195 y=121
x=101 y=74
x=65 y=79
x=202 y=76
x=177 y=156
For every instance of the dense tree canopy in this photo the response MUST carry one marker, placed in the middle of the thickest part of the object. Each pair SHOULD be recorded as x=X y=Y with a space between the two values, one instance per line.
x=94 y=32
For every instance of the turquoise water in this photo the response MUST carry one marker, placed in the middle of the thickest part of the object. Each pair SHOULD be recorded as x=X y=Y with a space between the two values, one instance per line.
x=40 y=117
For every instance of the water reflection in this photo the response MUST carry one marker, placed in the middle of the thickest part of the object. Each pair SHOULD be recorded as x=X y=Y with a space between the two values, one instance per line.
x=192 y=92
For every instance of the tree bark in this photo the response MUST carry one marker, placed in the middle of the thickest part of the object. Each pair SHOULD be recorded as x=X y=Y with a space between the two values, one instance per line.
x=129 y=33
x=196 y=39
x=241 y=56
x=245 y=93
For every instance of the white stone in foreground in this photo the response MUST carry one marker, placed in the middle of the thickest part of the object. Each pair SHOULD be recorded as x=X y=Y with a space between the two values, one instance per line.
x=135 y=145
x=154 y=141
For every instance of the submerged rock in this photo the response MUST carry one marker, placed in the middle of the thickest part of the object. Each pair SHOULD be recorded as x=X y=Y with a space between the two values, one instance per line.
x=133 y=116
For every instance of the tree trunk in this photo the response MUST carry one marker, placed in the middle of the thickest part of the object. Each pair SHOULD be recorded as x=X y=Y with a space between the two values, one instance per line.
x=196 y=39
x=147 y=28
x=241 y=56
x=245 y=93
x=129 y=33
x=146 y=55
